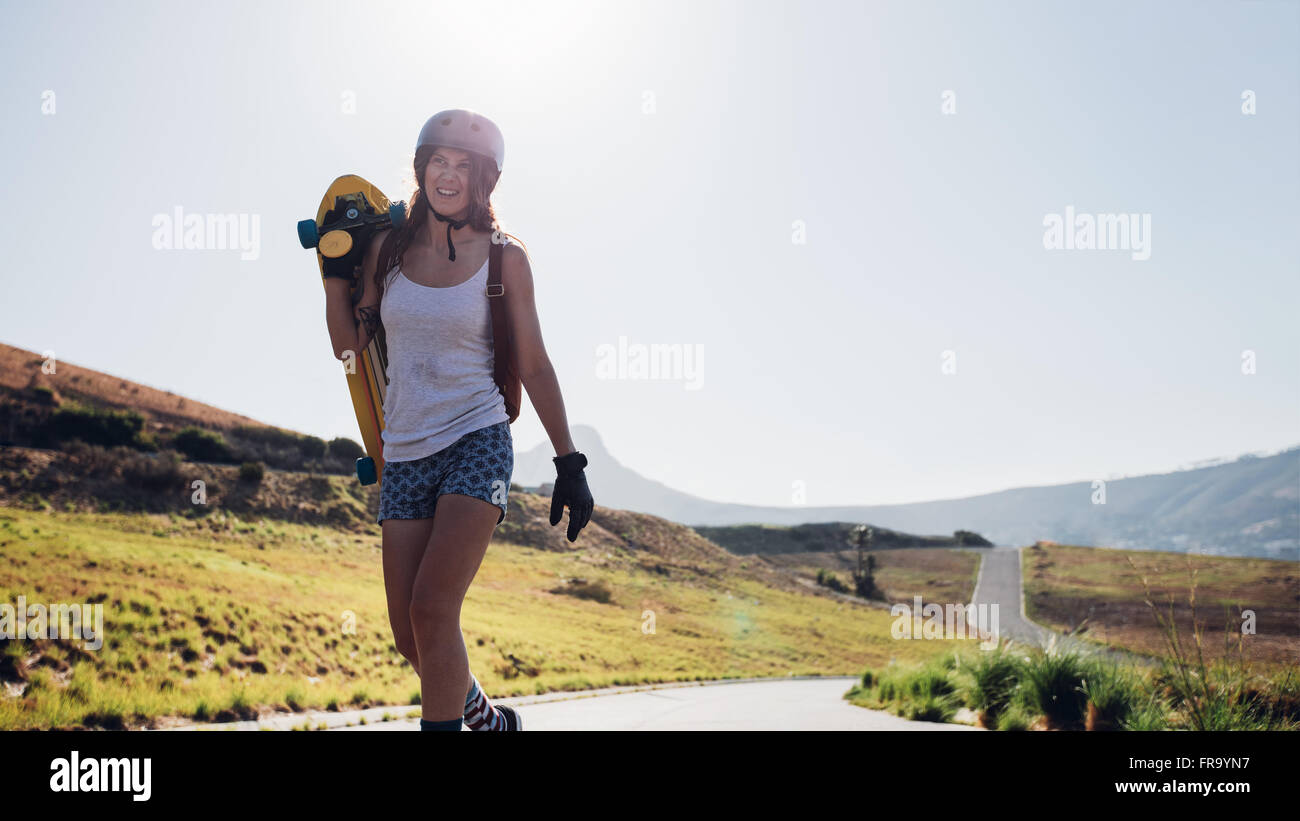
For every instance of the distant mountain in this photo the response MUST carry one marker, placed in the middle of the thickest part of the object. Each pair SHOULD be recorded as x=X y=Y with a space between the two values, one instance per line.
x=616 y=485
x=1246 y=507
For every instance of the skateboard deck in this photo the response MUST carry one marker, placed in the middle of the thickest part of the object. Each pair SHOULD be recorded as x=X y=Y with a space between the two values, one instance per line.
x=356 y=203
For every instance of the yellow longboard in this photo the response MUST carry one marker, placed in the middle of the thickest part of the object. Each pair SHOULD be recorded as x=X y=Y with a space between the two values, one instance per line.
x=349 y=204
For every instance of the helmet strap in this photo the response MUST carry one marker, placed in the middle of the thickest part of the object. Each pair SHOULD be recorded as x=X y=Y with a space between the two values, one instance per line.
x=451 y=223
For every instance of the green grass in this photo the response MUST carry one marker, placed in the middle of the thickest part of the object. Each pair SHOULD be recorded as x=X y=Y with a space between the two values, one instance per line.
x=1052 y=683
x=218 y=618
x=1111 y=694
x=991 y=684
x=927 y=691
x=1013 y=688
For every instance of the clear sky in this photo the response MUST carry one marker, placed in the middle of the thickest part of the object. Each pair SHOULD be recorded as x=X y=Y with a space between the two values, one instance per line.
x=659 y=156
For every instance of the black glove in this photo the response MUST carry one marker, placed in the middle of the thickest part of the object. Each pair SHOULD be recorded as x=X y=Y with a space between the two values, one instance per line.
x=346 y=265
x=571 y=489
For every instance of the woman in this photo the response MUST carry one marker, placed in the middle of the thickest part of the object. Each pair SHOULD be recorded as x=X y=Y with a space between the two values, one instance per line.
x=447 y=441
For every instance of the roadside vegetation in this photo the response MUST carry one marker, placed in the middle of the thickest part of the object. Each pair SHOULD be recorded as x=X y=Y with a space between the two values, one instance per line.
x=1014 y=687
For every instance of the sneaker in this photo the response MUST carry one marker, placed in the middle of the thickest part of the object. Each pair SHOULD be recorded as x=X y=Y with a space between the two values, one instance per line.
x=513 y=720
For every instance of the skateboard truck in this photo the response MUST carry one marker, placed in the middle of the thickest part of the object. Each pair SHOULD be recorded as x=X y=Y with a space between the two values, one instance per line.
x=351 y=213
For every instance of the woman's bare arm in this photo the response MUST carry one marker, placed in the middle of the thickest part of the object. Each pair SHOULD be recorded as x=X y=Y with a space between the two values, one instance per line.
x=535 y=369
x=352 y=329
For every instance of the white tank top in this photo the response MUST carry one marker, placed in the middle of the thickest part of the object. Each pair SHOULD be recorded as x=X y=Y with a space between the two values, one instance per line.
x=440 y=359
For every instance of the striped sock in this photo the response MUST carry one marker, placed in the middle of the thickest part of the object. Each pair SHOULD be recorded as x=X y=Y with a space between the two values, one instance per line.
x=479 y=712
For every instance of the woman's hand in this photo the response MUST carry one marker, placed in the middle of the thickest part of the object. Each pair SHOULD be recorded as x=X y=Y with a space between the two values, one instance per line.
x=345 y=267
x=571 y=490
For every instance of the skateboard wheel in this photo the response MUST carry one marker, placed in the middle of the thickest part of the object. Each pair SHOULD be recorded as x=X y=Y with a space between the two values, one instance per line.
x=307 y=233
x=397 y=214
x=335 y=244
x=366 y=470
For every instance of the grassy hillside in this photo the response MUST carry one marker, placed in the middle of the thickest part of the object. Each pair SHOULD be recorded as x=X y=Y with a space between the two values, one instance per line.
x=936 y=574
x=21 y=371
x=75 y=405
x=217 y=617
x=1098 y=591
x=96 y=479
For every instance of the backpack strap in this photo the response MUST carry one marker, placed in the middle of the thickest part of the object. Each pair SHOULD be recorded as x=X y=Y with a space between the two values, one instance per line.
x=505 y=368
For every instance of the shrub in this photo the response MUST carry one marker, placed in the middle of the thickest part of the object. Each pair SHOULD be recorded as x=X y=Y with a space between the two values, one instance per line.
x=828 y=579
x=271 y=437
x=930 y=679
x=1053 y=686
x=44 y=395
x=201 y=445
x=1227 y=706
x=929 y=708
x=251 y=472
x=313 y=447
x=345 y=449
x=924 y=693
x=1014 y=718
x=155 y=473
x=583 y=589
x=993 y=681
x=1111 y=693
x=94 y=460
x=290 y=451
x=889 y=684
x=94 y=426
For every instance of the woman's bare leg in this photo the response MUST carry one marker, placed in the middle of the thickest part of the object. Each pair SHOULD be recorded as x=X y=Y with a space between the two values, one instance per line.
x=462 y=530
x=405 y=543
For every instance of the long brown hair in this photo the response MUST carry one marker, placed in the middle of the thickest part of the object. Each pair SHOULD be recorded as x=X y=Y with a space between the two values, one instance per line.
x=483 y=176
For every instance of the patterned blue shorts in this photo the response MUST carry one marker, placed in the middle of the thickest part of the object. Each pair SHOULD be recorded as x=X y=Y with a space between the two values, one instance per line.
x=478 y=464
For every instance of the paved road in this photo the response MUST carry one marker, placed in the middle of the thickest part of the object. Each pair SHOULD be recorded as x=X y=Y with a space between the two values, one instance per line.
x=775 y=704
x=801 y=703
x=1000 y=582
